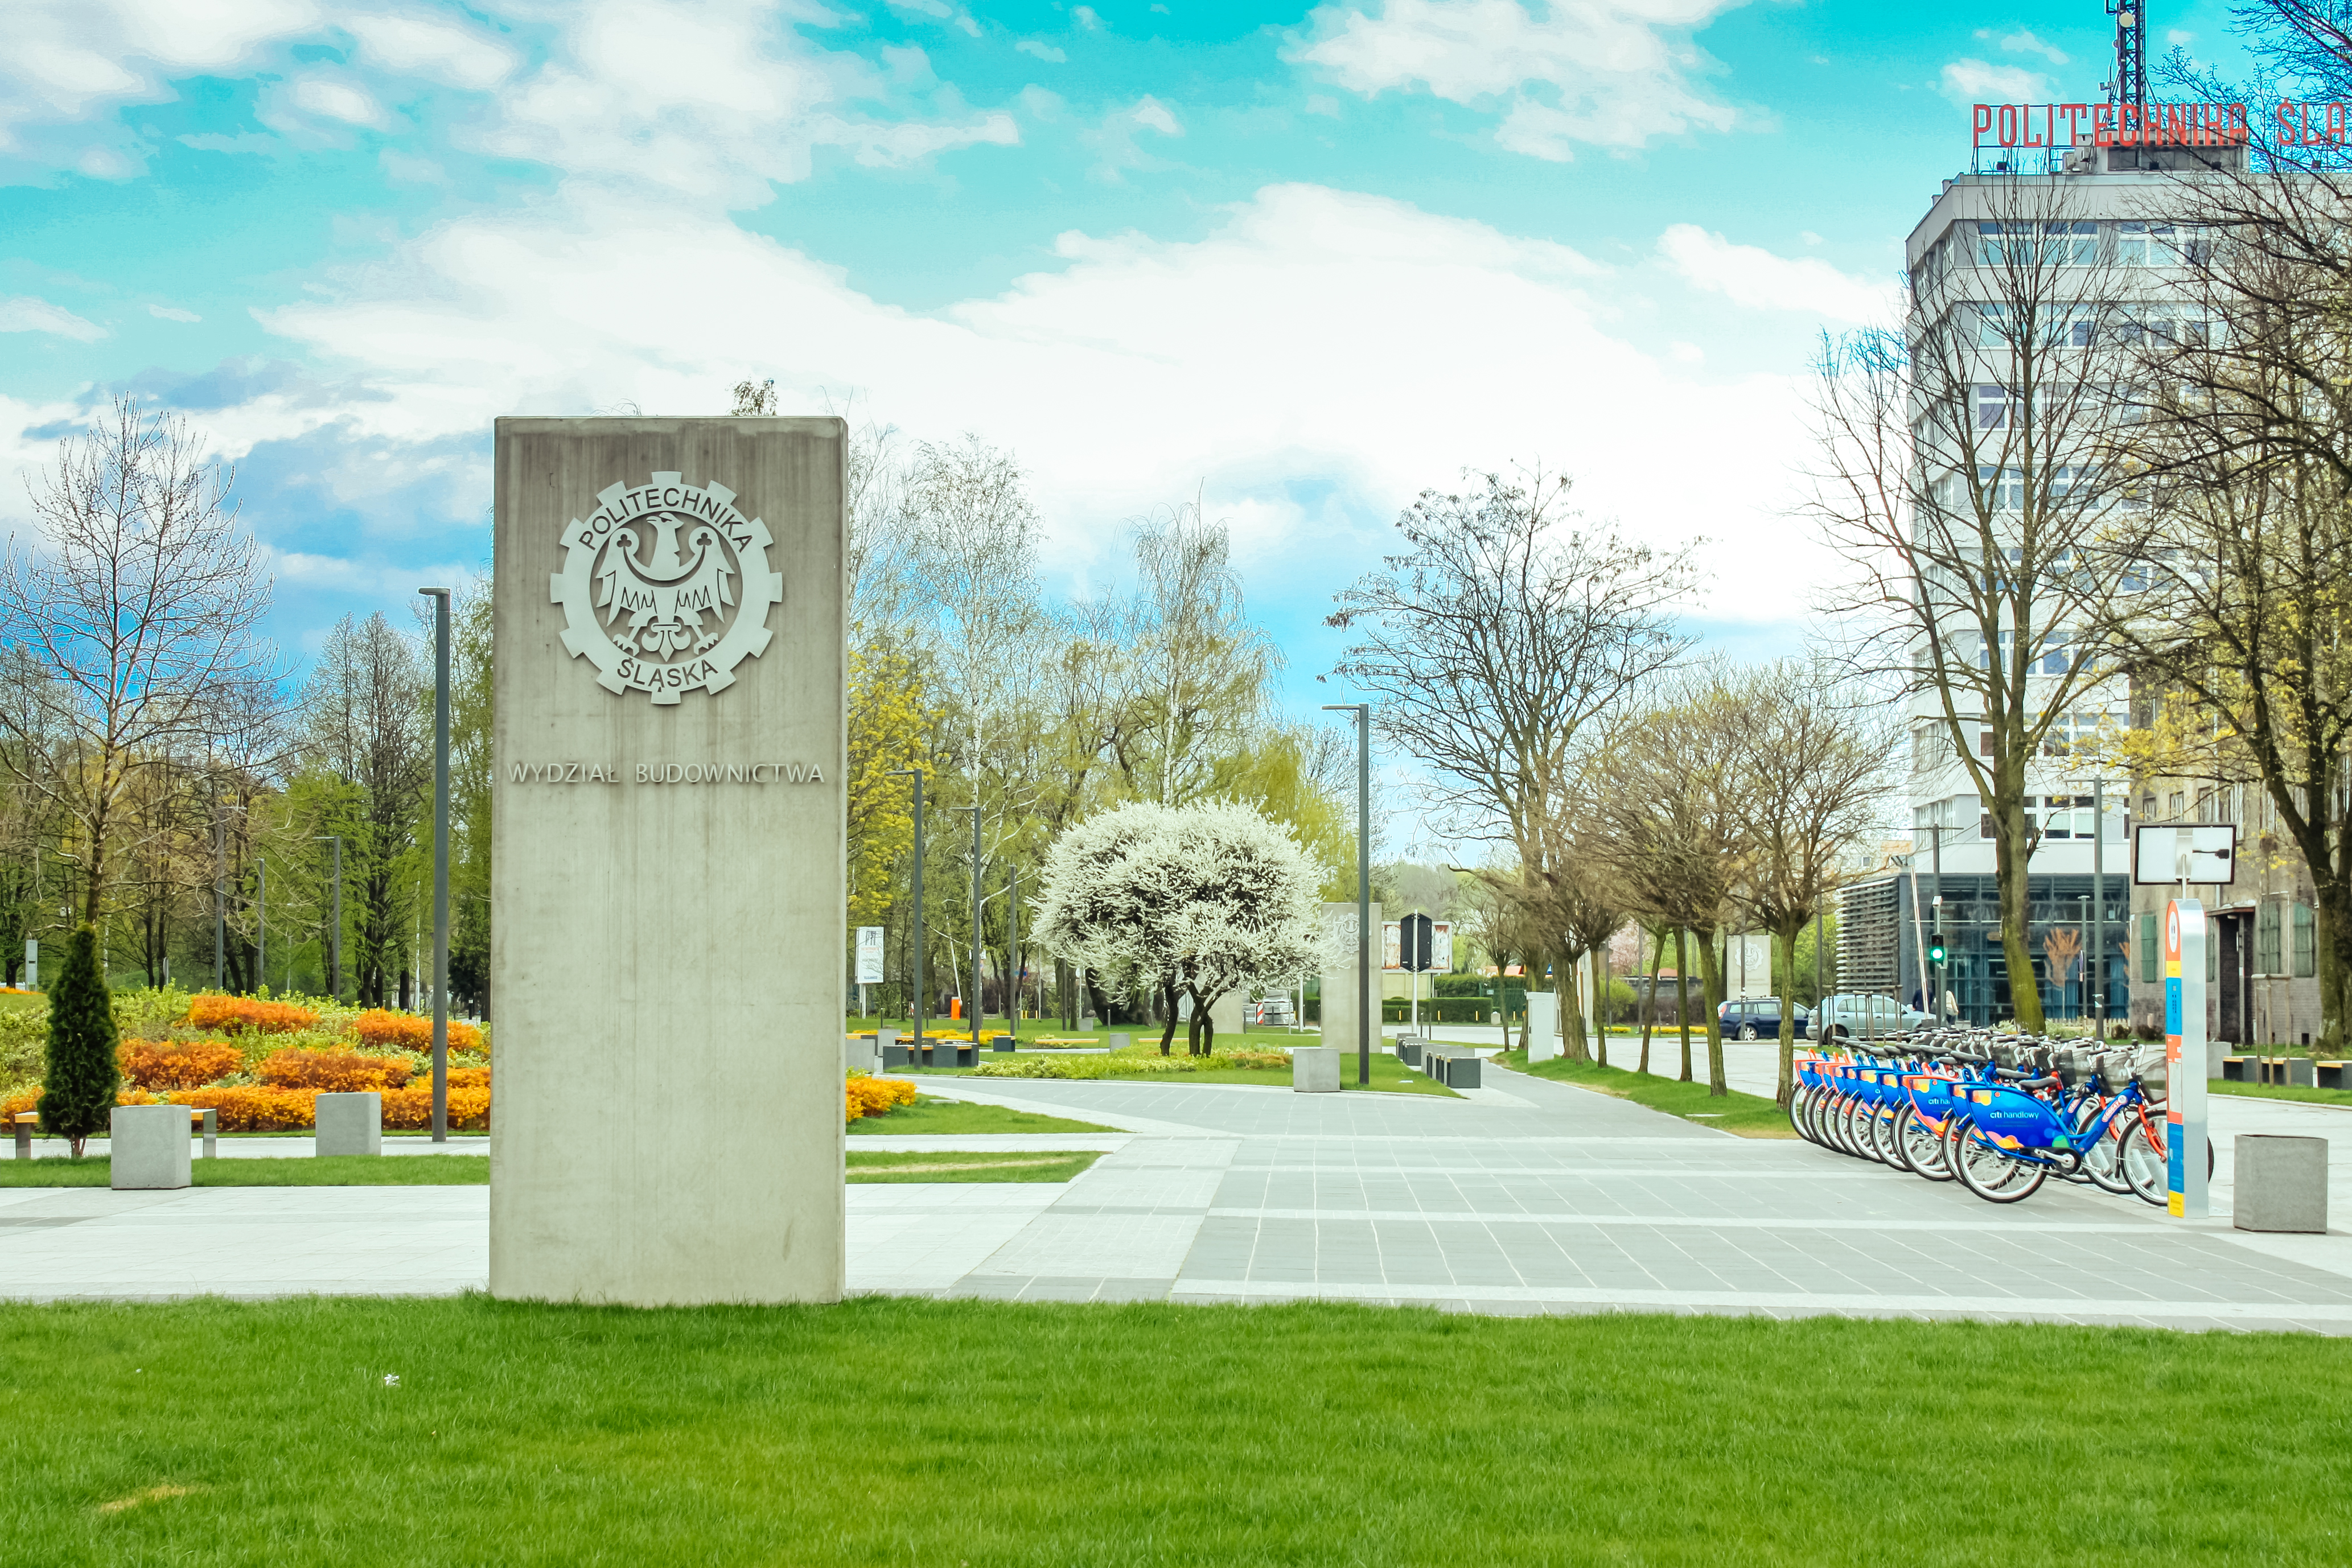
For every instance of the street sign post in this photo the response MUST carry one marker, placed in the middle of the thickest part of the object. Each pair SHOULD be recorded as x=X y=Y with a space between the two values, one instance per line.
x=2184 y=1059
x=2156 y=854
x=869 y=961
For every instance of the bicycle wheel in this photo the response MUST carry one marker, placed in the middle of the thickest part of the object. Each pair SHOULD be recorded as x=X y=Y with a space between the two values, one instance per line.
x=1798 y=1096
x=1824 y=1113
x=1883 y=1140
x=2139 y=1160
x=1853 y=1125
x=1922 y=1145
x=2102 y=1161
x=1991 y=1172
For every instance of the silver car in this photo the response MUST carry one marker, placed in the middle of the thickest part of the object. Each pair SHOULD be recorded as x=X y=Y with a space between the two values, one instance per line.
x=1850 y=1015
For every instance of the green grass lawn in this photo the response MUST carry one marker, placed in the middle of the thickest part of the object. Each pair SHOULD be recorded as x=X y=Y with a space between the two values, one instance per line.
x=960 y=1165
x=958 y=1117
x=474 y=1170
x=1749 y=1115
x=331 y=1170
x=2281 y=1092
x=1389 y=1075
x=972 y=1433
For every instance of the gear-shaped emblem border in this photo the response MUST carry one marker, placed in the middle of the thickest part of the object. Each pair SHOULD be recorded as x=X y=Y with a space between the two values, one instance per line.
x=759 y=590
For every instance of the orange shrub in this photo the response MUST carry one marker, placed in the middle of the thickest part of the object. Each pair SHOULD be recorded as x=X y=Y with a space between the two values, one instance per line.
x=407 y=1032
x=177 y=1063
x=253 y=1109
x=868 y=1096
x=242 y=1015
x=469 y=1104
x=337 y=1071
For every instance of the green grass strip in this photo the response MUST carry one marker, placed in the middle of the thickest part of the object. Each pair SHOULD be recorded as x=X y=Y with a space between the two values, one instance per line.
x=474 y=1170
x=958 y=1117
x=1749 y=1115
x=953 y=1433
x=2281 y=1092
x=295 y=1170
x=962 y=1165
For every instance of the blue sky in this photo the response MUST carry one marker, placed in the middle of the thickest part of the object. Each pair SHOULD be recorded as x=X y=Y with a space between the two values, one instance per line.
x=1310 y=260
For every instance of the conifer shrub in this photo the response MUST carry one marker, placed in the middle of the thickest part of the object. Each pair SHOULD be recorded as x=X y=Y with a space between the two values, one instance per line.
x=79 y=1086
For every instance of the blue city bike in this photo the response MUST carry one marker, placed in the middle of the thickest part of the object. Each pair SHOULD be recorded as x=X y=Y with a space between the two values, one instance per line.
x=2002 y=1141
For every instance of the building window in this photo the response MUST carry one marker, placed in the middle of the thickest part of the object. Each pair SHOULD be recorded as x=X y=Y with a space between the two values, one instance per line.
x=2146 y=807
x=1992 y=408
x=2266 y=938
x=1984 y=825
x=2177 y=799
x=2075 y=243
x=2306 y=945
x=2148 y=973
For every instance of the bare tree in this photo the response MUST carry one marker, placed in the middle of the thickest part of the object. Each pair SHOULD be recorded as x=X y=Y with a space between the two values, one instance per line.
x=1671 y=817
x=1199 y=667
x=1493 y=639
x=2242 y=440
x=1813 y=758
x=139 y=604
x=1965 y=472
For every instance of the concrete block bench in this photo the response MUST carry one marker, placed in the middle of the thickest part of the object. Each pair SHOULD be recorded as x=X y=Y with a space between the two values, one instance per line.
x=350 y=1123
x=1315 y=1070
x=148 y=1145
x=2281 y=1184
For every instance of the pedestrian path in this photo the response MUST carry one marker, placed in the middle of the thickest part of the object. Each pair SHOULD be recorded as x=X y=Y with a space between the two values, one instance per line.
x=1560 y=1201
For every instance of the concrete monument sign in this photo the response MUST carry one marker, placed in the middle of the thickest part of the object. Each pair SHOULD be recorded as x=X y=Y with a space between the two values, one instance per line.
x=1340 y=973
x=667 y=830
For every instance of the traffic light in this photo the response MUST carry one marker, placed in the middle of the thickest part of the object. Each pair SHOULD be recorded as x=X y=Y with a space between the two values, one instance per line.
x=1936 y=950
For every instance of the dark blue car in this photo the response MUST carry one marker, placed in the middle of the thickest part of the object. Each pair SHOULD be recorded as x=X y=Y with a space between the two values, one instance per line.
x=1758 y=1018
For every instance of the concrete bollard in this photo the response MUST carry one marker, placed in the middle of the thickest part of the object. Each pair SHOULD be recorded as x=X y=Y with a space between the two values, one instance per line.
x=25 y=1121
x=2281 y=1183
x=859 y=1054
x=149 y=1145
x=1121 y=1042
x=350 y=1123
x=1315 y=1070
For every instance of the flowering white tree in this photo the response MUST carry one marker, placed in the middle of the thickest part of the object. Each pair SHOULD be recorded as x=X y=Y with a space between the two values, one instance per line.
x=1192 y=901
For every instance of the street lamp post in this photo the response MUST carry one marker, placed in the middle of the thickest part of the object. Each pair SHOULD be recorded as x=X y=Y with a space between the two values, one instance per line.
x=261 y=923
x=1012 y=948
x=334 y=919
x=2083 y=986
x=916 y=967
x=440 y=596
x=1363 y=712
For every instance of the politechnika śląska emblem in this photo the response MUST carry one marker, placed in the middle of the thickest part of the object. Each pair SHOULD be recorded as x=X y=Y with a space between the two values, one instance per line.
x=665 y=588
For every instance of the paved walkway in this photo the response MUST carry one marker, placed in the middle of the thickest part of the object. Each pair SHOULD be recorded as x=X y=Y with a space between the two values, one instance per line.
x=1544 y=1198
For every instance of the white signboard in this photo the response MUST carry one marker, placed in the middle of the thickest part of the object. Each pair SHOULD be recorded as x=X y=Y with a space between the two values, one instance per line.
x=2156 y=852
x=32 y=965
x=869 y=954
x=1441 y=947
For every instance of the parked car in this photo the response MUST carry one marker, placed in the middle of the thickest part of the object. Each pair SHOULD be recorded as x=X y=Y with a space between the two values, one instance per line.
x=1758 y=1017
x=1851 y=1016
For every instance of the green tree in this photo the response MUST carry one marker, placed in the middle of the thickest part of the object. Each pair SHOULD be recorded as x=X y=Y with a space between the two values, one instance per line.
x=78 y=1088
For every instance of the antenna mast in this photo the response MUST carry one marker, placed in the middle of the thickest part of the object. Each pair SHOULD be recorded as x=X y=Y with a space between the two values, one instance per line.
x=2130 y=83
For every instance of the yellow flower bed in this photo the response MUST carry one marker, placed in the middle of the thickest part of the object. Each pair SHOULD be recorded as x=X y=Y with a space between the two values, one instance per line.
x=868 y=1096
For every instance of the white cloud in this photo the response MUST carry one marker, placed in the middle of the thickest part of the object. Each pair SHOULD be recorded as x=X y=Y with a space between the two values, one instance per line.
x=716 y=101
x=2024 y=42
x=336 y=97
x=1087 y=18
x=416 y=45
x=1114 y=141
x=1751 y=276
x=1605 y=73
x=1976 y=81
x=2179 y=37
x=1130 y=372
x=73 y=61
x=27 y=314
x=1043 y=51
x=171 y=313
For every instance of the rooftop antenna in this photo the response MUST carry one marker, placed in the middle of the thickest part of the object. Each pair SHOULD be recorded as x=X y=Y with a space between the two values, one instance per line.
x=2130 y=83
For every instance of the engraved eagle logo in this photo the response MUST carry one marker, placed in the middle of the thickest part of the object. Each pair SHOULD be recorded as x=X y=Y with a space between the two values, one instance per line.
x=665 y=596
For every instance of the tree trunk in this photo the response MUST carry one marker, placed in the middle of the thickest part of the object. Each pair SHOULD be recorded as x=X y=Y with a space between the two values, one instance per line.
x=1784 y=952
x=1601 y=1002
x=1649 y=1002
x=2331 y=940
x=1168 y=1029
x=1571 y=1008
x=1711 y=960
x=1682 y=996
x=2012 y=854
